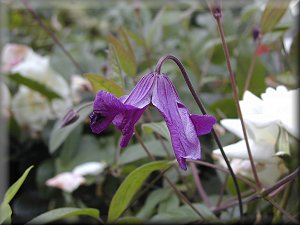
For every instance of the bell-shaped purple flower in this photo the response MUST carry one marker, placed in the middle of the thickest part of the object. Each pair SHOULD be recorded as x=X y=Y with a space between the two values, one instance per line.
x=157 y=89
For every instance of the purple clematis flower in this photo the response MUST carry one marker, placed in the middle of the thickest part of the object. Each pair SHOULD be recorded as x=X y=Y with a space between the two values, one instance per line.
x=157 y=89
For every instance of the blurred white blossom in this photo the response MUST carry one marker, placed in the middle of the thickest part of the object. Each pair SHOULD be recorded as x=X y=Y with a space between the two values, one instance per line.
x=265 y=120
x=30 y=108
x=79 y=85
x=90 y=168
x=70 y=181
x=5 y=99
x=66 y=181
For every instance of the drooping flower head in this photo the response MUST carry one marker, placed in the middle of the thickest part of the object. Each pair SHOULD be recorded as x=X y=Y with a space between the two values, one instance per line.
x=157 y=89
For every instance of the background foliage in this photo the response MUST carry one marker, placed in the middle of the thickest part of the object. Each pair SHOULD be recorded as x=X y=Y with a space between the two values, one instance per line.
x=115 y=43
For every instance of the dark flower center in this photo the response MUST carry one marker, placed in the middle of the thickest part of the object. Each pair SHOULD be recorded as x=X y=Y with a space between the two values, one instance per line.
x=96 y=117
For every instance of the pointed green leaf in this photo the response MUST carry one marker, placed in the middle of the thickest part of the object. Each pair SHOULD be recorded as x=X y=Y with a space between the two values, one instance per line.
x=12 y=191
x=34 y=85
x=61 y=213
x=272 y=14
x=59 y=134
x=114 y=68
x=102 y=83
x=125 y=58
x=124 y=39
x=136 y=38
x=5 y=210
x=130 y=186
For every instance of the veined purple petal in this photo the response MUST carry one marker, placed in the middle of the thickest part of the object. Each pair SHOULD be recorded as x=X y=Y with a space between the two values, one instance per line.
x=203 y=123
x=140 y=96
x=182 y=130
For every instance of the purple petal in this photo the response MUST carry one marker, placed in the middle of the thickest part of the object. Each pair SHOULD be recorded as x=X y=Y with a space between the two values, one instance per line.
x=125 y=122
x=106 y=107
x=140 y=96
x=123 y=112
x=182 y=130
x=203 y=123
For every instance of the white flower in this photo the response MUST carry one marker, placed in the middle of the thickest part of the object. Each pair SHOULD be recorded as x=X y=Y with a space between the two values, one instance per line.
x=70 y=181
x=276 y=107
x=90 y=168
x=11 y=55
x=4 y=100
x=66 y=181
x=30 y=108
x=79 y=85
x=264 y=119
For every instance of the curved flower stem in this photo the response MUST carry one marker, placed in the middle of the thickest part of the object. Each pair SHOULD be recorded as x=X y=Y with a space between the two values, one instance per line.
x=51 y=34
x=199 y=185
x=203 y=110
x=217 y=15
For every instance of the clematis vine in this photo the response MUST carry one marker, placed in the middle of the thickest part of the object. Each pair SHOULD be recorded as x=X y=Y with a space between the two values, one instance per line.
x=157 y=89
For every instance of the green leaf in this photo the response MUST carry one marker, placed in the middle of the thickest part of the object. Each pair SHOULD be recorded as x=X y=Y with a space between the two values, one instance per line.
x=129 y=220
x=11 y=192
x=153 y=199
x=5 y=210
x=130 y=186
x=127 y=61
x=114 y=68
x=272 y=14
x=135 y=152
x=169 y=204
x=158 y=127
x=102 y=83
x=5 y=213
x=185 y=215
x=34 y=85
x=136 y=38
x=60 y=213
x=59 y=134
x=125 y=40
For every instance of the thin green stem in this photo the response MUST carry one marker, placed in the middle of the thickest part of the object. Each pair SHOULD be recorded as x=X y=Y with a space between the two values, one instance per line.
x=203 y=110
x=236 y=97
